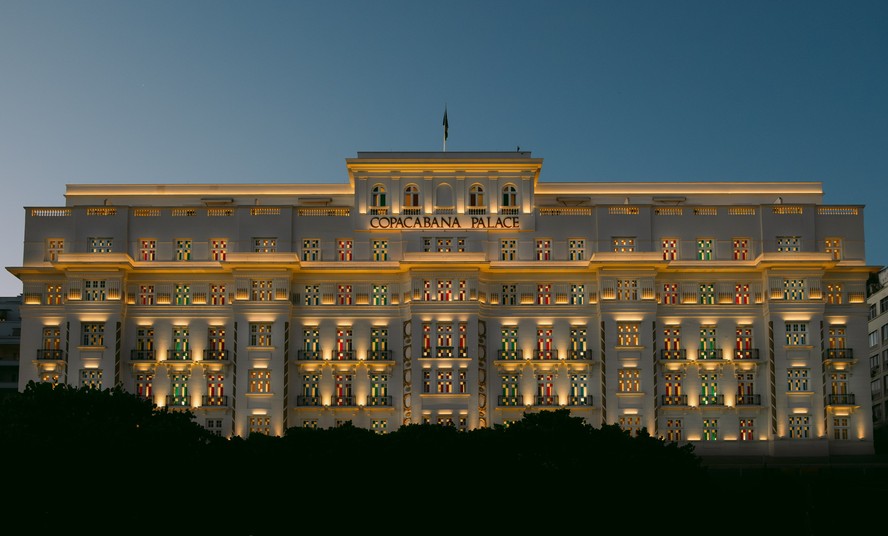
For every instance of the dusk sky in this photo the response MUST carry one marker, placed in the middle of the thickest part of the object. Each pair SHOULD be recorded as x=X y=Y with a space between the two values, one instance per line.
x=221 y=91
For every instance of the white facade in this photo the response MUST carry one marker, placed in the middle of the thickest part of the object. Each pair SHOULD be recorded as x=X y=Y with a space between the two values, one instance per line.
x=458 y=288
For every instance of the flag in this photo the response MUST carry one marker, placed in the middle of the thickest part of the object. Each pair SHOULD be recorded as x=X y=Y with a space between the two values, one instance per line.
x=445 y=123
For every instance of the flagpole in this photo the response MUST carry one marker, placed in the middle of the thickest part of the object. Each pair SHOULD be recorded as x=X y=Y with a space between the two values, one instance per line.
x=445 y=128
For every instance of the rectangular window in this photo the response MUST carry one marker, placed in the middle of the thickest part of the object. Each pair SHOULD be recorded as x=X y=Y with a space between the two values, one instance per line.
x=311 y=249
x=544 y=249
x=705 y=249
x=509 y=343
x=183 y=249
x=215 y=389
x=670 y=249
x=788 y=244
x=544 y=294
x=91 y=378
x=312 y=295
x=796 y=334
x=146 y=295
x=380 y=250
x=181 y=349
x=342 y=390
x=544 y=347
x=576 y=249
x=873 y=338
x=260 y=424
x=144 y=385
x=883 y=305
x=631 y=423
x=53 y=294
x=670 y=294
x=627 y=289
x=147 y=249
x=794 y=289
x=54 y=248
x=144 y=343
x=706 y=295
x=747 y=429
x=182 y=294
x=629 y=380
x=673 y=430
x=709 y=389
x=261 y=290
x=627 y=334
x=217 y=294
x=52 y=343
x=94 y=290
x=445 y=290
x=218 y=249
x=260 y=381
x=344 y=249
x=741 y=249
x=215 y=341
x=710 y=429
x=444 y=381
x=379 y=295
x=508 y=249
x=509 y=295
x=799 y=426
x=577 y=294
x=378 y=425
x=545 y=394
x=623 y=244
x=344 y=294
x=100 y=244
x=264 y=245
x=344 y=349
x=797 y=379
x=214 y=426
x=840 y=428
x=833 y=246
x=260 y=334
x=741 y=294
x=834 y=293
x=311 y=391
x=92 y=334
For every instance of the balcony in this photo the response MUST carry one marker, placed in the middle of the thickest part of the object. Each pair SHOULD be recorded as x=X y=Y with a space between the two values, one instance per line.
x=510 y=401
x=749 y=400
x=178 y=401
x=308 y=355
x=838 y=354
x=303 y=400
x=673 y=400
x=510 y=355
x=379 y=355
x=709 y=354
x=215 y=355
x=476 y=211
x=579 y=355
x=846 y=399
x=142 y=355
x=573 y=400
x=673 y=355
x=444 y=351
x=411 y=211
x=214 y=401
x=749 y=354
x=711 y=400
x=545 y=355
x=50 y=355
x=509 y=211
x=179 y=355
x=379 y=211
x=342 y=401
x=545 y=400
x=343 y=355
x=379 y=401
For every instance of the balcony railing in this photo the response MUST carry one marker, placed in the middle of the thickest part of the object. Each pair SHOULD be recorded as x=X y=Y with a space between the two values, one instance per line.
x=215 y=355
x=712 y=400
x=509 y=211
x=379 y=355
x=379 y=401
x=709 y=353
x=216 y=401
x=846 y=399
x=342 y=401
x=514 y=400
x=303 y=400
x=50 y=355
x=379 y=211
x=838 y=353
x=142 y=355
x=545 y=400
x=308 y=355
x=510 y=355
x=579 y=355
x=178 y=401
x=674 y=400
x=343 y=355
x=545 y=355
x=179 y=355
x=747 y=354
x=444 y=351
x=411 y=211
x=673 y=354
x=749 y=400
x=573 y=400
x=476 y=211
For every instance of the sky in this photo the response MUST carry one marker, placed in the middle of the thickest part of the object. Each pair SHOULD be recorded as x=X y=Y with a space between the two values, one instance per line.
x=222 y=91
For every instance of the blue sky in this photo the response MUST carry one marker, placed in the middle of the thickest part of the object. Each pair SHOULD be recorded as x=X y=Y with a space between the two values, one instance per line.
x=266 y=91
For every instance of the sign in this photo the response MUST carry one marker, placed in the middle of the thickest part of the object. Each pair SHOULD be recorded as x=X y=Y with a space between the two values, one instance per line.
x=445 y=222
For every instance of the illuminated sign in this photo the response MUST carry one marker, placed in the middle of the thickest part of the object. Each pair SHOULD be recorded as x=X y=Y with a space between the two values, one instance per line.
x=445 y=222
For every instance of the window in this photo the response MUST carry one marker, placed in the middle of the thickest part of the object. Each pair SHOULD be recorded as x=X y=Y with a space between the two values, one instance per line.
x=788 y=244
x=311 y=249
x=836 y=337
x=709 y=389
x=747 y=429
x=312 y=295
x=705 y=249
x=342 y=390
x=743 y=341
x=833 y=246
x=378 y=200
x=509 y=295
x=577 y=294
x=378 y=390
x=218 y=249
x=378 y=343
x=344 y=294
x=673 y=430
x=873 y=338
x=380 y=250
x=344 y=249
x=544 y=346
x=91 y=378
x=509 y=200
x=260 y=381
x=444 y=340
x=215 y=390
x=579 y=394
x=264 y=245
x=670 y=294
x=710 y=429
x=876 y=389
x=631 y=423
x=707 y=294
x=344 y=349
x=627 y=289
x=793 y=289
x=378 y=425
x=215 y=340
x=260 y=334
x=627 y=334
x=741 y=249
x=477 y=204
x=545 y=394
x=708 y=343
x=510 y=396
x=508 y=249
x=544 y=294
x=799 y=426
x=873 y=313
x=260 y=424
x=576 y=249
x=94 y=290
x=509 y=343
x=672 y=339
x=445 y=290
x=144 y=385
x=217 y=294
x=741 y=294
x=444 y=381
x=379 y=295
x=100 y=244
x=214 y=426
x=53 y=294
x=883 y=305
x=260 y=290
x=798 y=379
x=54 y=248
x=311 y=391
x=52 y=343
x=462 y=348
x=181 y=344
x=840 y=427
x=543 y=249
x=411 y=200
x=629 y=380
x=796 y=334
x=50 y=377
x=146 y=295
x=670 y=249
x=623 y=244
x=92 y=334
x=183 y=249
x=885 y=332
x=144 y=343
x=182 y=294
x=147 y=249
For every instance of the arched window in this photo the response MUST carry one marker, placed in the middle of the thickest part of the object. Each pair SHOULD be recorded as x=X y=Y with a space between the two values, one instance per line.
x=510 y=200
x=411 y=199
x=377 y=200
x=476 y=196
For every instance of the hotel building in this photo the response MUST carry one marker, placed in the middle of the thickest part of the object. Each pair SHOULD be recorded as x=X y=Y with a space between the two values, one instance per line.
x=458 y=288
x=878 y=346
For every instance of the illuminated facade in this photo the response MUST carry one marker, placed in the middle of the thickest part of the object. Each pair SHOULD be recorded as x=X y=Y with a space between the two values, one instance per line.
x=457 y=288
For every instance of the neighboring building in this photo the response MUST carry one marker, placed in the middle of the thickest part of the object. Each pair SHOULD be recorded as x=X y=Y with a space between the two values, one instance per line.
x=457 y=288
x=10 y=334
x=878 y=347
